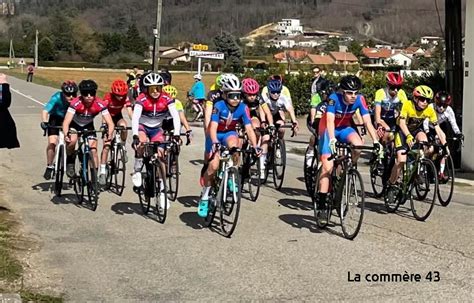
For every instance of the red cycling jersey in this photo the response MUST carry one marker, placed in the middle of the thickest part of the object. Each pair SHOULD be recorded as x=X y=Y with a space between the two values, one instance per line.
x=115 y=105
x=154 y=111
x=85 y=115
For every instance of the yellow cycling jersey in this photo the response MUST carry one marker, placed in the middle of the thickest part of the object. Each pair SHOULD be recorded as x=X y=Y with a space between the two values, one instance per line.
x=414 y=118
x=382 y=95
x=179 y=105
x=284 y=91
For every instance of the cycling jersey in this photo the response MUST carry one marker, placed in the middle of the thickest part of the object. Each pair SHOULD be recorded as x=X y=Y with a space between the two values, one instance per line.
x=198 y=90
x=390 y=105
x=179 y=105
x=214 y=96
x=85 y=115
x=57 y=105
x=151 y=112
x=253 y=107
x=343 y=113
x=284 y=92
x=115 y=105
x=447 y=115
x=227 y=119
x=415 y=118
x=283 y=103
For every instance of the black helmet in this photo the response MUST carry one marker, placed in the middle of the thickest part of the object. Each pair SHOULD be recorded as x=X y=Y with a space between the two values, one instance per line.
x=350 y=82
x=88 y=86
x=166 y=75
x=69 y=87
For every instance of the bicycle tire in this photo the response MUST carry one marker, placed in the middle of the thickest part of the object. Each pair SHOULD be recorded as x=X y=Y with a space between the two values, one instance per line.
x=120 y=171
x=59 y=176
x=278 y=176
x=161 y=211
x=449 y=168
x=229 y=203
x=309 y=172
x=376 y=179
x=353 y=186
x=110 y=169
x=92 y=183
x=172 y=168
x=212 y=207
x=268 y=164
x=428 y=203
x=146 y=190
x=254 y=179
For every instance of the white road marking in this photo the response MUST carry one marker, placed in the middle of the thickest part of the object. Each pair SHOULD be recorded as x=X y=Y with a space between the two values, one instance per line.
x=27 y=96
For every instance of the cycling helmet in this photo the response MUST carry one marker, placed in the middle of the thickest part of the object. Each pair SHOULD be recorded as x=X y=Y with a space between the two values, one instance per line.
x=88 y=86
x=423 y=91
x=250 y=86
x=325 y=87
x=350 y=82
x=274 y=86
x=153 y=79
x=394 y=79
x=119 y=87
x=69 y=87
x=197 y=77
x=166 y=77
x=231 y=83
x=442 y=98
x=171 y=90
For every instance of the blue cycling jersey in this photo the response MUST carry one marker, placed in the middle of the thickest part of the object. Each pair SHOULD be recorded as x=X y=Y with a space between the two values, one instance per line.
x=198 y=91
x=56 y=106
x=226 y=119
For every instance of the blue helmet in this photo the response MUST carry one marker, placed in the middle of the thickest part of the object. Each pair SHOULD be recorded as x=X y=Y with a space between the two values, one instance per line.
x=274 y=86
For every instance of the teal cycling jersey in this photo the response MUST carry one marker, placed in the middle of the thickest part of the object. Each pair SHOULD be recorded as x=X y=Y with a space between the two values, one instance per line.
x=57 y=105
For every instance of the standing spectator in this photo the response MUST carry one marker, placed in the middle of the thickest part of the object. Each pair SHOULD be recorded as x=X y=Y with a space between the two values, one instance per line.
x=8 y=138
x=198 y=91
x=317 y=82
x=31 y=71
x=132 y=79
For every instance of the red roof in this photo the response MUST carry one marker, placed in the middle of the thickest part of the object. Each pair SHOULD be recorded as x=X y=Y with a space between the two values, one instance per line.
x=412 y=50
x=293 y=54
x=343 y=56
x=376 y=53
x=321 y=59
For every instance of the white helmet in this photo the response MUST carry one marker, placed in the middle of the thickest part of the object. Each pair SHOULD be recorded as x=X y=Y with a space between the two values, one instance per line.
x=231 y=83
x=153 y=79
x=197 y=77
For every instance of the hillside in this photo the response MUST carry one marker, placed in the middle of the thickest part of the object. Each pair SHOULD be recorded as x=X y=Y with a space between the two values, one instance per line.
x=201 y=20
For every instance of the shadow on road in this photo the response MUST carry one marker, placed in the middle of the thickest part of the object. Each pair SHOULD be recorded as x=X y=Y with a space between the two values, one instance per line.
x=44 y=186
x=196 y=162
x=127 y=208
x=189 y=201
x=293 y=191
x=296 y=204
x=301 y=222
x=301 y=179
x=192 y=220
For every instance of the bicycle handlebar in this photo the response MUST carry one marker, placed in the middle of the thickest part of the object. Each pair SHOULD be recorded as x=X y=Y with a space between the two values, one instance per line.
x=45 y=131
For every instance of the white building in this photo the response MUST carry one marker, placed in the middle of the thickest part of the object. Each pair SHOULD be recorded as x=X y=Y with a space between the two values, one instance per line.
x=289 y=27
x=401 y=59
x=283 y=42
x=430 y=39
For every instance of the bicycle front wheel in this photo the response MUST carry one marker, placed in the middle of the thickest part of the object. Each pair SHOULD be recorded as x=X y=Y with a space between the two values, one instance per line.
x=146 y=191
x=279 y=163
x=446 y=185
x=161 y=195
x=377 y=178
x=352 y=204
x=118 y=171
x=427 y=181
x=254 y=179
x=229 y=201
x=309 y=172
x=92 y=184
x=172 y=175
x=58 y=182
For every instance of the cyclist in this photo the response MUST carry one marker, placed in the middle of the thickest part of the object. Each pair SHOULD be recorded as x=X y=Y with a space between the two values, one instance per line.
x=318 y=104
x=115 y=101
x=388 y=102
x=411 y=130
x=198 y=93
x=444 y=113
x=80 y=116
x=150 y=110
x=214 y=95
x=335 y=125
x=222 y=130
x=284 y=90
x=56 y=109
x=259 y=112
x=173 y=93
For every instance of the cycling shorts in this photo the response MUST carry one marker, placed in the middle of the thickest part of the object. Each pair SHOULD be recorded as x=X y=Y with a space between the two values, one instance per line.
x=117 y=118
x=54 y=121
x=222 y=137
x=401 y=139
x=154 y=134
x=342 y=135
x=76 y=127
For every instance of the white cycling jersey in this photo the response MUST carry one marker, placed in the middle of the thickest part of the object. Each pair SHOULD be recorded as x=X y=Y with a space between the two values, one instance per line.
x=283 y=103
x=447 y=115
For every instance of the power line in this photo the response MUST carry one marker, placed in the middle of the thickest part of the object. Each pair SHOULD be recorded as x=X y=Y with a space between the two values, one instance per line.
x=384 y=8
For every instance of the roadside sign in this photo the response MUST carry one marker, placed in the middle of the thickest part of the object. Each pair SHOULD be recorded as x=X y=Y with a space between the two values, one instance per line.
x=200 y=47
x=207 y=55
x=22 y=61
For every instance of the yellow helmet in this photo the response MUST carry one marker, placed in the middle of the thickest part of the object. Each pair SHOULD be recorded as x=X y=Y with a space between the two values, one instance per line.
x=171 y=90
x=423 y=91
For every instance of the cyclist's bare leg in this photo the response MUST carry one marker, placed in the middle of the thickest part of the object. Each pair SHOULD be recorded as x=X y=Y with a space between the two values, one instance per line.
x=51 y=149
x=355 y=140
x=400 y=161
x=281 y=131
x=326 y=171
x=123 y=134
x=93 y=147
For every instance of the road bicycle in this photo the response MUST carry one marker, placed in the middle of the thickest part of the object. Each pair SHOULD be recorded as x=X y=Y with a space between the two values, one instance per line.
x=116 y=168
x=59 y=161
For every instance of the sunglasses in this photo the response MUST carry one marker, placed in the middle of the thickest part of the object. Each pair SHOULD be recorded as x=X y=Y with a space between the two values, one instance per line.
x=443 y=106
x=394 y=87
x=234 y=96
x=351 y=92
x=275 y=93
x=86 y=94
x=71 y=95
x=423 y=99
x=154 y=88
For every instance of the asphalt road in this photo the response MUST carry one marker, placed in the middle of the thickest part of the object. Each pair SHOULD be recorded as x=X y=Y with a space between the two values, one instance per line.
x=276 y=253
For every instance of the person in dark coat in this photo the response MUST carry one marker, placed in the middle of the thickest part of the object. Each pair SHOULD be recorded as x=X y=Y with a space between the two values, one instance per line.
x=8 y=138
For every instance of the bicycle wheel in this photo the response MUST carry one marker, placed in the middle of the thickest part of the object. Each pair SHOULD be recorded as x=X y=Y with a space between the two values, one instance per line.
x=119 y=170
x=92 y=184
x=320 y=223
x=377 y=173
x=268 y=165
x=279 y=163
x=254 y=178
x=172 y=168
x=78 y=180
x=229 y=201
x=446 y=187
x=146 y=191
x=309 y=172
x=212 y=207
x=58 y=182
x=161 y=195
x=421 y=208
x=111 y=169
x=352 y=204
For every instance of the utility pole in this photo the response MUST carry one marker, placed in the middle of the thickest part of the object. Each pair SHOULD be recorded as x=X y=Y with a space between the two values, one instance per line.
x=36 y=49
x=157 y=32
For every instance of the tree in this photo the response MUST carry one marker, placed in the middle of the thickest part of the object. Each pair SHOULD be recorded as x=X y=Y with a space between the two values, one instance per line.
x=111 y=43
x=133 y=42
x=62 y=33
x=46 y=49
x=332 y=45
x=226 y=43
x=355 y=48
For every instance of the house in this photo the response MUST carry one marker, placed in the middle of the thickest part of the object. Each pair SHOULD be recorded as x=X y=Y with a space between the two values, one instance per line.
x=321 y=60
x=400 y=59
x=174 y=55
x=430 y=40
x=293 y=55
x=289 y=27
x=303 y=41
x=283 y=42
x=373 y=57
x=344 y=58
x=414 y=51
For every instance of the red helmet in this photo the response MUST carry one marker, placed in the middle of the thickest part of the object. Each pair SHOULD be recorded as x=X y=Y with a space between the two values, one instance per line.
x=250 y=86
x=394 y=79
x=442 y=98
x=119 y=87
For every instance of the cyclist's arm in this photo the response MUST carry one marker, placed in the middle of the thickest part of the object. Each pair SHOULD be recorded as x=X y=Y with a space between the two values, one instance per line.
x=370 y=127
x=44 y=115
x=207 y=113
x=268 y=114
x=213 y=132
x=137 y=113
x=184 y=121
x=426 y=125
x=452 y=120
x=175 y=115
x=291 y=110
x=312 y=114
x=251 y=134
x=434 y=120
x=403 y=119
x=440 y=134
x=67 y=120
x=378 y=114
x=110 y=124
x=330 y=124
